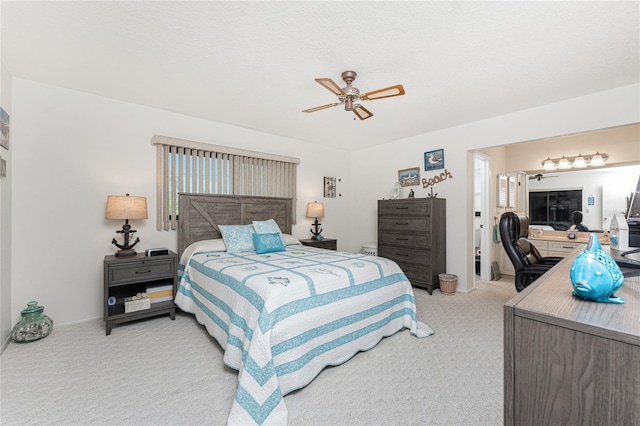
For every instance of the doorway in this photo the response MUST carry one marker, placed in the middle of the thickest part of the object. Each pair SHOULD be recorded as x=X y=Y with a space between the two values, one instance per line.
x=482 y=236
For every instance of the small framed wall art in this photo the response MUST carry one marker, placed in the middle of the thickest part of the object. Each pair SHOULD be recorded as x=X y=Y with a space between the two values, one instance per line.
x=4 y=129
x=329 y=187
x=409 y=177
x=434 y=160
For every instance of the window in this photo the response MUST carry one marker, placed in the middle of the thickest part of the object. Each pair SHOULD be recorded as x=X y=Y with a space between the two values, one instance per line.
x=554 y=208
x=187 y=166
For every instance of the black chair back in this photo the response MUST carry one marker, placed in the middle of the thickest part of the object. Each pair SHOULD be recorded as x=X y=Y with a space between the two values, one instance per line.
x=526 y=259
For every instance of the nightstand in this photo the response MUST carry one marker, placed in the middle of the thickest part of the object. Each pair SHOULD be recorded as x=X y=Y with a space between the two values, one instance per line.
x=126 y=276
x=325 y=243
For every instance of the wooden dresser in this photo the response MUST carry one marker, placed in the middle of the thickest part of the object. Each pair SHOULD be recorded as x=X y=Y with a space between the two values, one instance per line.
x=569 y=361
x=413 y=233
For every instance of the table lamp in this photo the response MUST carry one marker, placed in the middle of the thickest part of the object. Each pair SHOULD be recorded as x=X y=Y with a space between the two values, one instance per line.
x=315 y=210
x=127 y=207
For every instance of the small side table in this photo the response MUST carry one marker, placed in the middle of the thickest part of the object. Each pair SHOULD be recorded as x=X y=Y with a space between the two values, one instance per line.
x=325 y=243
x=127 y=276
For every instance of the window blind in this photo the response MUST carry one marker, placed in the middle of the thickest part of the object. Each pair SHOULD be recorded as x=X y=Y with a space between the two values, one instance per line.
x=195 y=167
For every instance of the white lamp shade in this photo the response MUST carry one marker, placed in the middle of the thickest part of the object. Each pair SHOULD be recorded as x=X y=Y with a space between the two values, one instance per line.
x=126 y=207
x=579 y=162
x=564 y=163
x=596 y=160
x=315 y=210
x=549 y=164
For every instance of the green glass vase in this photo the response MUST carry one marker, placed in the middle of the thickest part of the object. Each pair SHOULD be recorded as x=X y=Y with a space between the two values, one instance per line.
x=33 y=326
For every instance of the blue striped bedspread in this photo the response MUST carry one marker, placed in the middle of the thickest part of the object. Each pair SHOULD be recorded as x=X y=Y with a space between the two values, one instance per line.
x=282 y=317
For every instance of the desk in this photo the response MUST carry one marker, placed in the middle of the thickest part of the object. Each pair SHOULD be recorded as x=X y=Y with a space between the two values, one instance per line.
x=568 y=360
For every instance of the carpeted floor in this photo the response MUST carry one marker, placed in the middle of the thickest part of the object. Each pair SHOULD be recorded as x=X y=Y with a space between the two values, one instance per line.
x=163 y=372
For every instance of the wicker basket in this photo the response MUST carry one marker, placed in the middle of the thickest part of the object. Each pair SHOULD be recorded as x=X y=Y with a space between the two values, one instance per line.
x=448 y=284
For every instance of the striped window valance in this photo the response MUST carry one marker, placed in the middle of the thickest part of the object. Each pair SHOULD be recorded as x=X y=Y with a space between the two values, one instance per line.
x=196 y=167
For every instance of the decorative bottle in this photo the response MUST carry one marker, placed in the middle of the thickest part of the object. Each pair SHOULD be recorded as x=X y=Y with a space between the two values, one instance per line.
x=34 y=324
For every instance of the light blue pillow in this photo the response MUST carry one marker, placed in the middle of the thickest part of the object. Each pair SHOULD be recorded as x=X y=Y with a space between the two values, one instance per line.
x=267 y=227
x=268 y=243
x=237 y=237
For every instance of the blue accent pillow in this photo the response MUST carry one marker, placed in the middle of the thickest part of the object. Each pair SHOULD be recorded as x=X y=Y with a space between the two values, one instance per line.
x=268 y=243
x=237 y=237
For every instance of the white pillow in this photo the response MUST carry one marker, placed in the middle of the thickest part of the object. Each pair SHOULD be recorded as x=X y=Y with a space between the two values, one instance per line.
x=290 y=240
x=237 y=237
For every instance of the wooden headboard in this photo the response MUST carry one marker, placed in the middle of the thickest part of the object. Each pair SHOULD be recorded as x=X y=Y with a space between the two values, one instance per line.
x=200 y=214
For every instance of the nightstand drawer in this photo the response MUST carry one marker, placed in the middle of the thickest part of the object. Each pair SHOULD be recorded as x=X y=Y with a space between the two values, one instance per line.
x=140 y=271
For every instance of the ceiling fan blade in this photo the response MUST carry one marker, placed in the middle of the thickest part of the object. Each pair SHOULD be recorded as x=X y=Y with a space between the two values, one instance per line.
x=318 y=108
x=330 y=85
x=387 y=92
x=361 y=112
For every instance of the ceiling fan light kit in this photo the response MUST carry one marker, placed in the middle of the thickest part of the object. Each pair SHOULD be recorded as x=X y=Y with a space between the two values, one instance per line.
x=349 y=95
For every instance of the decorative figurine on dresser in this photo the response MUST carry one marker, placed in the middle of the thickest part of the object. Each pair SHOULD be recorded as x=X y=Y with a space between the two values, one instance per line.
x=412 y=233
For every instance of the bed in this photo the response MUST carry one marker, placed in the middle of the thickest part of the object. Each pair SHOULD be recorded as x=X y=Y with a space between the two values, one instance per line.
x=285 y=312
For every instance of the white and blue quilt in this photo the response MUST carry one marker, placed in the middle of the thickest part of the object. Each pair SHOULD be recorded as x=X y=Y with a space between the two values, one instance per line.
x=282 y=317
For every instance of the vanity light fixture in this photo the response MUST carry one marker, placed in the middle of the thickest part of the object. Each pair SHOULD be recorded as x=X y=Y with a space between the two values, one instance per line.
x=598 y=160
x=548 y=164
x=581 y=161
x=564 y=163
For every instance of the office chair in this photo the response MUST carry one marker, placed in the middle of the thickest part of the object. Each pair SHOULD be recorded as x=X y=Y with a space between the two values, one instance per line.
x=526 y=259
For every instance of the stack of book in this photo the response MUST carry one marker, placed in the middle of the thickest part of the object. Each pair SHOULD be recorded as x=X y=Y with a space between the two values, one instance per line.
x=160 y=293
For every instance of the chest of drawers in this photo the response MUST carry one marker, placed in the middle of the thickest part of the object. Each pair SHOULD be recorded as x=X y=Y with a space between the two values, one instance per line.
x=412 y=233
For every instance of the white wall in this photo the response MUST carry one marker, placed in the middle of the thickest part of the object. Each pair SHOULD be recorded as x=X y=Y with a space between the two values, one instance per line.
x=376 y=168
x=71 y=149
x=5 y=217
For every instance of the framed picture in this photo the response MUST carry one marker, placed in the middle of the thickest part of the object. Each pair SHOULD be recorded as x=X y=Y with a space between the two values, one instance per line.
x=409 y=177
x=3 y=167
x=329 y=187
x=434 y=160
x=4 y=128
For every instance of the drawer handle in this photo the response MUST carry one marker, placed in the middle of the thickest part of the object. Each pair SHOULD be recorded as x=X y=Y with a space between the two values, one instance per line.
x=399 y=223
x=143 y=272
x=402 y=254
x=569 y=247
x=402 y=208
x=402 y=239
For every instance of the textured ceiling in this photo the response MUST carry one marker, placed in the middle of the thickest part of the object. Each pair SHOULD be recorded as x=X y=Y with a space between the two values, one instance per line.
x=253 y=64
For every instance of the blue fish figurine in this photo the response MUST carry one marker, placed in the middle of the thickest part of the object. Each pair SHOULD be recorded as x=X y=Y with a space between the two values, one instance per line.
x=595 y=275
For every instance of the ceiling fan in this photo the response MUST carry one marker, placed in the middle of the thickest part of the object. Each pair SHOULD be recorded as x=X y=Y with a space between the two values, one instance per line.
x=539 y=176
x=349 y=95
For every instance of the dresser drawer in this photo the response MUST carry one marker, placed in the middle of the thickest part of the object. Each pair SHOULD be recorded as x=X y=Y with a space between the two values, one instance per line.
x=403 y=208
x=404 y=255
x=421 y=240
x=404 y=223
x=562 y=248
x=417 y=275
x=140 y=271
